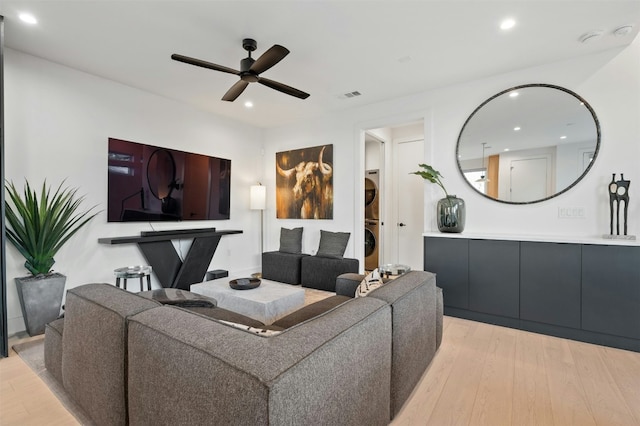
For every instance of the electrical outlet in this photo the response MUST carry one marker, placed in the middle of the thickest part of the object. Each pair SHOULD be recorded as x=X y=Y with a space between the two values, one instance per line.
x=571 y=213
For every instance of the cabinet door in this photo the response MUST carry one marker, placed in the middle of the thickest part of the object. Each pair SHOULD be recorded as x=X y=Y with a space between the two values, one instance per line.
x=550 y=283
x=611 y=290
x=494 y=277
x=448 y=258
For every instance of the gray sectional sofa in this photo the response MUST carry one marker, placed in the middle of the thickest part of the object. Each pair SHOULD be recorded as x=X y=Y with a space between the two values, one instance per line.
x=127 y=359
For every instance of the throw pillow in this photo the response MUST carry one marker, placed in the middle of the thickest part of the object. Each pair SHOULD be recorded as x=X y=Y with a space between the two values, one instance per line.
x=258 y=331
x=333 y=244
x=291 y=240
x=369 y=283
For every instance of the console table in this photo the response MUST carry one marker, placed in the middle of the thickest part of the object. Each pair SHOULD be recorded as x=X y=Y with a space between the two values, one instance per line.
x=163 y=258
x=581 y=289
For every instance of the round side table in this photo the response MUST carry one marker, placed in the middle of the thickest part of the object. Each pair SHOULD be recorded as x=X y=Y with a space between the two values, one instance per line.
x=140 y=271
x=393 y=270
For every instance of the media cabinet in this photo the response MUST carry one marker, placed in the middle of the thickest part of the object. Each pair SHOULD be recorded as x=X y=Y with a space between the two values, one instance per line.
x=581 y=289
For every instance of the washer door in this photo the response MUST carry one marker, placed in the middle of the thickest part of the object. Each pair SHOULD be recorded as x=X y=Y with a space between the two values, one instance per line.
x=369 y=242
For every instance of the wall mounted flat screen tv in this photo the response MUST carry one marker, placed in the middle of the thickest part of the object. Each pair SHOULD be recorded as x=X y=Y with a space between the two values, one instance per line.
x=150 y=183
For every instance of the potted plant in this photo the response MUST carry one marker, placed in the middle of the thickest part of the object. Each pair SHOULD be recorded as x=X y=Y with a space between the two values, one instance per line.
x=450 y=209
x=38 y=227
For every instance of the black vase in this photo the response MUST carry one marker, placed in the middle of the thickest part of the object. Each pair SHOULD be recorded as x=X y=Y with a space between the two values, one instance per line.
x=451 y=214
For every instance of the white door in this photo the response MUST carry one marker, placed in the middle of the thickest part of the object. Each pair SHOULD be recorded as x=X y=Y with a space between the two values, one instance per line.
x=523 y=187
x=409 y=198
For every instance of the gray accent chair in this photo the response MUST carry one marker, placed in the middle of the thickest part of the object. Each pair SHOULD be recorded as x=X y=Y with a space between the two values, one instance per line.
x=282 y=267
x=321 y=272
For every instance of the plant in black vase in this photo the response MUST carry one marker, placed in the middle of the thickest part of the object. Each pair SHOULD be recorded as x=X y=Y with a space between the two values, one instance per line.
x=450 y=209
x=39 y=225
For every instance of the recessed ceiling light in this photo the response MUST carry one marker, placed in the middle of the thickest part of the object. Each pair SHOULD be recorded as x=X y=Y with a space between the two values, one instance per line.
x=516 y=128
x=506 y=149
x=28 y=18
x=248 y=104
x=513 y=94
x=563 y=137
x=507 y=24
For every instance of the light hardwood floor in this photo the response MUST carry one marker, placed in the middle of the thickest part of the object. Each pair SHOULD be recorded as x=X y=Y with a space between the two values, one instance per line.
x=482 y=375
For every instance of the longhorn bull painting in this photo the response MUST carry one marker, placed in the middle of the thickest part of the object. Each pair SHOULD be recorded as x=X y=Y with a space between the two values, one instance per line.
x=304 y=183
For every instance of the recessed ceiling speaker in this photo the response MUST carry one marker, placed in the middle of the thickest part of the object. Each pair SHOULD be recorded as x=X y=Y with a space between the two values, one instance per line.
x=591 y=36
x=623 y=30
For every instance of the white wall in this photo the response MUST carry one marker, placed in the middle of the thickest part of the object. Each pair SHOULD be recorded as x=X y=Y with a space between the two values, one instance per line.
x=609 y=81
x=58 y=121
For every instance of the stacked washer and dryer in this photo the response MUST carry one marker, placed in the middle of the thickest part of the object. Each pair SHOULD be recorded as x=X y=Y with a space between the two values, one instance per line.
x=371 y=219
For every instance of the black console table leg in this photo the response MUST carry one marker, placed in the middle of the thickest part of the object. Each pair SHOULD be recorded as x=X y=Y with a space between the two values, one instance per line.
x=164 y=260
x=196 y=262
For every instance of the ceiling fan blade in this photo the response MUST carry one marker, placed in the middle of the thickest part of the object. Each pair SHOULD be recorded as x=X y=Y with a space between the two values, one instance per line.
x=203 y=64
x=283 y=88
x=269 y=58
x=235 y=91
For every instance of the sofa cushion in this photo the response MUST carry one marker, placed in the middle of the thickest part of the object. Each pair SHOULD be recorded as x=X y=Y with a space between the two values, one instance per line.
x=321 y=272
x=368 y=283
x=177 y=297
x=310 y=311
x=259 y=331
x=282 y=267
x=333 y=244
x=291 y=240
x=226 y=315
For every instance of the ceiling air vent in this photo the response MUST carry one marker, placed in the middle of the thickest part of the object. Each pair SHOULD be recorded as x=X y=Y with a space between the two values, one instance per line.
x=349 y=95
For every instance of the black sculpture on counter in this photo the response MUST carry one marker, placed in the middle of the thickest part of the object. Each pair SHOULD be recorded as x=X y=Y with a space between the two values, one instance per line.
x=618 y=191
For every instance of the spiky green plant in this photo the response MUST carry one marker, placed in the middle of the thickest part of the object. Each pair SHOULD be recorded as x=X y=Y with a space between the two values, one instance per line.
x=432 y=175
x=39 y=227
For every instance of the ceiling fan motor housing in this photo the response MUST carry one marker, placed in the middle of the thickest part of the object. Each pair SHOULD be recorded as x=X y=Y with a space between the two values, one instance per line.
x=245 y=73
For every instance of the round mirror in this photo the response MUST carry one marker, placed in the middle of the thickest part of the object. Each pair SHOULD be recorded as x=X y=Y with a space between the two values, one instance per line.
x=528 y=143
x=161 y=173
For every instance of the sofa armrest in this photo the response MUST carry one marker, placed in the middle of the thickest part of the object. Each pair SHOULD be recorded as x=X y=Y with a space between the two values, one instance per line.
x=94 y=348
x=413 y=300
x=346 y=284
x=312 y=373
x=321 y=272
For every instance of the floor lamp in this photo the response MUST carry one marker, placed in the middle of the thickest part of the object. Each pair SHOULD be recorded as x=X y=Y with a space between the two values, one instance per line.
x=258 y=202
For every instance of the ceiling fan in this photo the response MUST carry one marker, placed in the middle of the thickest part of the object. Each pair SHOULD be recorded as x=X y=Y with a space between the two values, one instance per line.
x=250 y=70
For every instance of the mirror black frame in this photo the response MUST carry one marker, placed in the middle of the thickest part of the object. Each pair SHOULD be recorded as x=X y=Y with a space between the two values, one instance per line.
x=550 y=86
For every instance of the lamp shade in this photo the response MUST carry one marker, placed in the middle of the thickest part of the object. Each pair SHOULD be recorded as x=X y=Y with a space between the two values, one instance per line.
x=258 y=197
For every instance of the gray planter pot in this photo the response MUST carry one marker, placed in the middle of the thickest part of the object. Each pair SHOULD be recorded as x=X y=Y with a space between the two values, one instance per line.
x=40 y=300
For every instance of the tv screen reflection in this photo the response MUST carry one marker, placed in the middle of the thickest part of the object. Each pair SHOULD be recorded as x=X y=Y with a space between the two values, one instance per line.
x=150 y=183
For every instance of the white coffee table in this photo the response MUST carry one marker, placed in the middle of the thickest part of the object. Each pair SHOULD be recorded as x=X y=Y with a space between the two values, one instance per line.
x=267 y=303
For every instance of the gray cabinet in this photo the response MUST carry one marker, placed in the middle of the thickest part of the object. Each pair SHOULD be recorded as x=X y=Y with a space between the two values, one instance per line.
x=450 y=257
x=588 y=292
x=550 y=278
x=611 y=290
x=494 y=277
